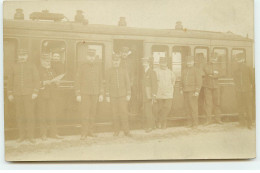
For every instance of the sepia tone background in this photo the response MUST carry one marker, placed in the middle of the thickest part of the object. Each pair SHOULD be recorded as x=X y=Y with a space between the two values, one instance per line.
x=209 y=15
x=214 y=16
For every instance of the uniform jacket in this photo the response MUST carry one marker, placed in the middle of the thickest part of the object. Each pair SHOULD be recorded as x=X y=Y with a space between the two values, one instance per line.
x=191 y=79
x=166 y=81
x=23 y=79
x=117 y=82
x=150 y=85
x=89 y=80
x=58 y=67
x=210 y=80
x=47 y=74
x=243 y=78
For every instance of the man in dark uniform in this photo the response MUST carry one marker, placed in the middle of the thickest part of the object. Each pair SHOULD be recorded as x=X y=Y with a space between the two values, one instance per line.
x=149 y=90
x=243 y=83
x=191 y=81
x=89 y=91
x=23 y=88
x=211 y=90
x=47 y=102
x=119 y=92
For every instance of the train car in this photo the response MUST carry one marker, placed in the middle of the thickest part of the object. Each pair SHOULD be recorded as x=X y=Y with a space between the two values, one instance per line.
x=72 y=39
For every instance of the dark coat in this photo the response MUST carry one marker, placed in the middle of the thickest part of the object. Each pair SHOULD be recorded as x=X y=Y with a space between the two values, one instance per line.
x=243 y=78
x=117 y=82
x=89 y=80
x=58 y=67
x=23 y=79
x=149 y=84
x=210 y=79
x=47 y=74
x=191 y=79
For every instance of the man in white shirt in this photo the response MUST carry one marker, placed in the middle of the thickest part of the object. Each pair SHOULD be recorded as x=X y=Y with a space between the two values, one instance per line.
x=166 y=81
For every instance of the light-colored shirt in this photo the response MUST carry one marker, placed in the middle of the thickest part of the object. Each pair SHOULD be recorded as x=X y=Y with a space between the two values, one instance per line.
x=166 y=81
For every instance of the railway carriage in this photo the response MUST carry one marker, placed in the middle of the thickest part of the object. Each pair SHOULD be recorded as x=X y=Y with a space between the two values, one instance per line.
x=73 y=39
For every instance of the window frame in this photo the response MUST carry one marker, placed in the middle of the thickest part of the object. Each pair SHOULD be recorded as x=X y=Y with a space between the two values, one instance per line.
x=66 y=51
x=91 y=43
x=183 y=58
x=162 y=45
x=227 y=59
x=243 y=49
x=202 y=47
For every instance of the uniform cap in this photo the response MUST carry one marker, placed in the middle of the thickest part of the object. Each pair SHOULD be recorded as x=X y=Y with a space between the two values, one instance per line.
x=45 y=56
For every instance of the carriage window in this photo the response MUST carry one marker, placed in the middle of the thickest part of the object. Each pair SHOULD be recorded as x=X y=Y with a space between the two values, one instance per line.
x=236 y=53
x=82 y=49
x=221 y=54
x=57 y=51
x=159 y=51
x=201 y=54
x=179 y=54
x=10 y=50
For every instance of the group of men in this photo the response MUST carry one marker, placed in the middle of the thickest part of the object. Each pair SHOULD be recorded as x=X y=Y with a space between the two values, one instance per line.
x=26 y=82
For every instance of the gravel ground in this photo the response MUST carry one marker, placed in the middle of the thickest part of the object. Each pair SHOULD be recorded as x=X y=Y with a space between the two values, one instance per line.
x=227 y=141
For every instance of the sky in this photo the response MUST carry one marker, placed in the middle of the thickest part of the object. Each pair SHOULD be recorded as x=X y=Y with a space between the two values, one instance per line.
x=210 y=15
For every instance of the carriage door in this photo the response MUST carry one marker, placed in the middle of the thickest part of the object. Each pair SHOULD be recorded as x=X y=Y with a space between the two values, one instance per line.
x=132 y=52
x=10 y=50
x=178 y=59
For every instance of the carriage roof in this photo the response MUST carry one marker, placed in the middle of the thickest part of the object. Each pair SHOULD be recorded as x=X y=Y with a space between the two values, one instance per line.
x=119 y=30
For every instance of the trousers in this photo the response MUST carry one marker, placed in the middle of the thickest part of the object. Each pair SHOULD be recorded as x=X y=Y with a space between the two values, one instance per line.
x=191 y=107
x=24 y=107
x=88 y=113
x=120 y=116
x=212 y=103
x=163 y=109
x=148 y=114
x=47 y=115
x=244 y=108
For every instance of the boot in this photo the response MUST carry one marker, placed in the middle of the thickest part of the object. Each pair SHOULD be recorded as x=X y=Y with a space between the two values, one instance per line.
x=44 y=138
x=116 y=134
x=83 y=137
x=31 y=140
x=128 y=134
x=20 y=139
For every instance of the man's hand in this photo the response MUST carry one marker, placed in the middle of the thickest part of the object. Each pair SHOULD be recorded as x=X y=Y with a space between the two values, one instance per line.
x=47 y=82
x=196 y=94
x=34 y=96
x=10 y=98
x=78 y=98
x=215 y=72
x=108 y=99
x=181 y=92
x=100 y=98
x=153 y=99
x=128 y=98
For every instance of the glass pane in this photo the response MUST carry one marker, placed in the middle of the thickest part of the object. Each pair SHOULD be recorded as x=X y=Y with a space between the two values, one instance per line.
x=202 y=53
x=176 y=64
x=82 y=49
x=10 y=49
x=159 y=51
x=236 y=53
x=221 y=54
x=57 y=51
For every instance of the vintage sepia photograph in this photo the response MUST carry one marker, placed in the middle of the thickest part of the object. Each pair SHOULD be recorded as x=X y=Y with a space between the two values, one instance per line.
x=113 y=80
